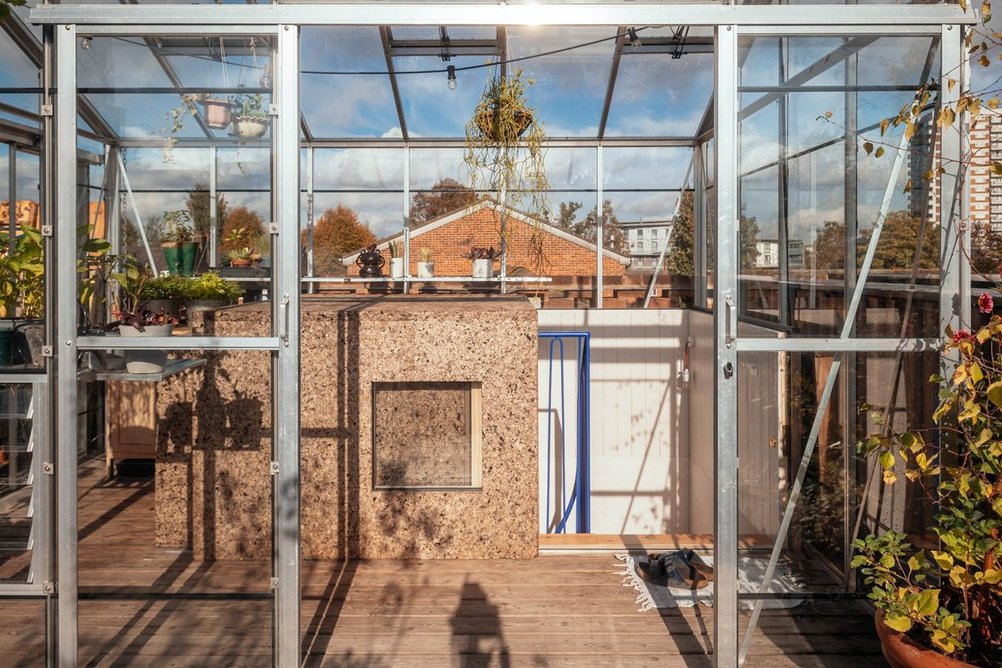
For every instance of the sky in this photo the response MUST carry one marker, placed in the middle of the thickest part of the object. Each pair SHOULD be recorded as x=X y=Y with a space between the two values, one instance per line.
x=654 y=96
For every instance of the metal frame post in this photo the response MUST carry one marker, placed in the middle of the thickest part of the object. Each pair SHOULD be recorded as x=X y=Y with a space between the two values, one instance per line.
x=700 y=274
x=725 y=506
x=599 y=228
x=955 y=277
x=213 y=207
x=64 y=310
x=286 y=317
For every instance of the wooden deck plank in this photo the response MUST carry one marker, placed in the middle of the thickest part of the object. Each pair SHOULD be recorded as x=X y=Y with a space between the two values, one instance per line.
x=568 y=608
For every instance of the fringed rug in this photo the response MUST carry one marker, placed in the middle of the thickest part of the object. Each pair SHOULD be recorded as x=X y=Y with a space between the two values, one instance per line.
x=751 y=570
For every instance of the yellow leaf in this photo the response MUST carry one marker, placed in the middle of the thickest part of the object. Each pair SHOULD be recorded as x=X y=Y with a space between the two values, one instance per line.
x=951 y=84
x=868 y=147
x=879 y=152
x=993 y=103
x=984 y=60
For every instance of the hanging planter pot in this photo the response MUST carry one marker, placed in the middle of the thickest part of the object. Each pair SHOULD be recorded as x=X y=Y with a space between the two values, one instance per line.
x=217 y=112
x=492 y=125
x=251 y=127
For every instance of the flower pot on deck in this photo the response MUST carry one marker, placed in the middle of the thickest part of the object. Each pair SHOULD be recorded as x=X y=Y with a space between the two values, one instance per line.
x=901 y=651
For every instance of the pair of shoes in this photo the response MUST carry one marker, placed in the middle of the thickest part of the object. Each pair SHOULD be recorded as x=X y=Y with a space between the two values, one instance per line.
x=682 y=569
x=693 y=568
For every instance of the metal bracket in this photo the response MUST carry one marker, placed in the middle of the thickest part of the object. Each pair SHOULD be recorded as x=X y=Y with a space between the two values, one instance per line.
x=49 y=587
x=273 y=110
x=46 y=351
x=46 y=230
x=274 y=468
x=48 y=468
x=46 y=110
x=272 y=228
x=274 y=583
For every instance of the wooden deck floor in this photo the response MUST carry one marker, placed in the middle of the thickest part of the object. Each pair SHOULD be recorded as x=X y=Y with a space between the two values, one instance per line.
x=565 y=610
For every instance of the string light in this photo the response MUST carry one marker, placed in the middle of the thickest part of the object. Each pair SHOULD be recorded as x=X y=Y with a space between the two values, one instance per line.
x=634 y=40
x=452 y=77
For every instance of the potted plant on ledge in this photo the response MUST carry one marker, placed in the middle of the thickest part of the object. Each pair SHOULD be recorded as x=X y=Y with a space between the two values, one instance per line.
x=483 y=261
x=944 y=607
x=135 y=319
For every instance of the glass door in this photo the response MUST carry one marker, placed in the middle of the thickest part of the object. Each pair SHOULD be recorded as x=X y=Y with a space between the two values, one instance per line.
x=832 y=297
x=179 y=520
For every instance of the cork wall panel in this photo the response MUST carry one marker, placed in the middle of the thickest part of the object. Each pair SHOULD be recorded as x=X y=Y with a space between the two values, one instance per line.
x=213 y=491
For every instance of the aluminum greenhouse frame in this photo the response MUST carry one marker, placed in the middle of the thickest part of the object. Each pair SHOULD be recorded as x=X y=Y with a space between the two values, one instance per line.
x=64 y=23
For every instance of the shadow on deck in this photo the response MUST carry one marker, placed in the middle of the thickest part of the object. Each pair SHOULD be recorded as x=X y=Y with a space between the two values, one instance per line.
x=141 y=605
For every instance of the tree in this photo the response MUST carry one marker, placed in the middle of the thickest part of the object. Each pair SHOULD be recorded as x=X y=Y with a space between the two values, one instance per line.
x=446 y=196
x=679 y=257
x=986 y=249
x=338 y=232
x=198 y=207
x=749 y=242
x=613 y=237
x=242 y=228
x=829 y=247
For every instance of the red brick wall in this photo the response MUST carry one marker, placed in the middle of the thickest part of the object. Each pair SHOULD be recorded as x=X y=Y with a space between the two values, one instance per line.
x=451 y=241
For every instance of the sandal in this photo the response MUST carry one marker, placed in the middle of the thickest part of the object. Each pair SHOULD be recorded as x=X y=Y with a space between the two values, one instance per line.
x=689 y=563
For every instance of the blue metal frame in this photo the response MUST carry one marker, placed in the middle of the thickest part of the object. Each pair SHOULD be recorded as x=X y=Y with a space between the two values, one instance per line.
x=581 y=494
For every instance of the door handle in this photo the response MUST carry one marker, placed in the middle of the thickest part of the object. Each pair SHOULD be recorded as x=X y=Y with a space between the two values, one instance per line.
x=730 y=321
x=283 y=319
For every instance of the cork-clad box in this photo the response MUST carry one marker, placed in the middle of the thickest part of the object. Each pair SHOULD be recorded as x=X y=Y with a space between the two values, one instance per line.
x=213 y=487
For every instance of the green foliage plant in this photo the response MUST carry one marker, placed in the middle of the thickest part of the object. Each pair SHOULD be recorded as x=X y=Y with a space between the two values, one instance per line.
x=211 y=286
x=177 y=227
x=949 y=598
x=164 y=287
x=505 y=151
x=22 y=274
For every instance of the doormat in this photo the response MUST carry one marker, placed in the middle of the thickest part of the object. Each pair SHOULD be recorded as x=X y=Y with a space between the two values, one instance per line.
x=751 y=570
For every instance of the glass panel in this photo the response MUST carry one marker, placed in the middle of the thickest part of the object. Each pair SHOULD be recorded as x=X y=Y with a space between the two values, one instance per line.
x=17 y=492
x=180 y=502
x=166 y=224
x=431 y=109
x=570 y=87
x=660 y=96
x=346 y=105
x=800 y=188
x=346 y=222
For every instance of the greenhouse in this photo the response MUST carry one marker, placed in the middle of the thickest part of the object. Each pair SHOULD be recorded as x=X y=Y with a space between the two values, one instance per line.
x=486 y=334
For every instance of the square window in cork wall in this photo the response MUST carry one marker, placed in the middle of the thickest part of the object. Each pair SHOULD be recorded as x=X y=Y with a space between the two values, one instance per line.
x=426 y=435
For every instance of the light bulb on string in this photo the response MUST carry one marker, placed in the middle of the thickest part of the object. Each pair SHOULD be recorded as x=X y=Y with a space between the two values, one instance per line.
x=452 y=77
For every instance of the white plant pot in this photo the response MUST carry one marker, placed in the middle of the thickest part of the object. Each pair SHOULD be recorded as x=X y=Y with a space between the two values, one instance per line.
x=425 y=269
x=483 y=268
x=145 y=361
x=396 y=267
x=250 y=127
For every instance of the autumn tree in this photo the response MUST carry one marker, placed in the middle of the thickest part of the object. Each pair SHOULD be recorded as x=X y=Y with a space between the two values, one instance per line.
x=749 y=242
x=338 y=232
x=446 y=196
x=242 y=227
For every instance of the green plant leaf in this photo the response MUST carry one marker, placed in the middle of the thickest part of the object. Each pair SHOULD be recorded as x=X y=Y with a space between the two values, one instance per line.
x=897 y=621
x=927 y=603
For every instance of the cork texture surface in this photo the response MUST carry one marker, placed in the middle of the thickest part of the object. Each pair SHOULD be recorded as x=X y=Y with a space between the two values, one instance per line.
x=213 y=486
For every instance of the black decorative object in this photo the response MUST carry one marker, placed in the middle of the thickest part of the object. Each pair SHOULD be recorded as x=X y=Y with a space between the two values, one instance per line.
x=370 y=262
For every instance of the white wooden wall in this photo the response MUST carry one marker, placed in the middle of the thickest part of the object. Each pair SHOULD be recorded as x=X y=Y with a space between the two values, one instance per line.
x=640 y=466
x=762 y=472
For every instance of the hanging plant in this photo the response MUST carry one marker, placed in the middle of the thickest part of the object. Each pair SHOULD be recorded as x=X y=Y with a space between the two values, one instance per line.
x=505 y=155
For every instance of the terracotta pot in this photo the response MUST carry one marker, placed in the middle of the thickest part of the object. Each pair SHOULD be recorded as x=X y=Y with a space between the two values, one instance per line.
x=903 y=652
x=240 y=262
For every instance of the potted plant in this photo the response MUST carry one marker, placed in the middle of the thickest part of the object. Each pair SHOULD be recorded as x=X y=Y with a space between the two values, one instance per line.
x=250 y=120
x=164 y=293
x=135 y=319
x=242 y=257
x=209 y=291
x=483 y=261
x=178 y=242
x=504 y=153
x=396 y=260
x=217 y=112
x=426 y=266
x=22 y=296
x=947 y=601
